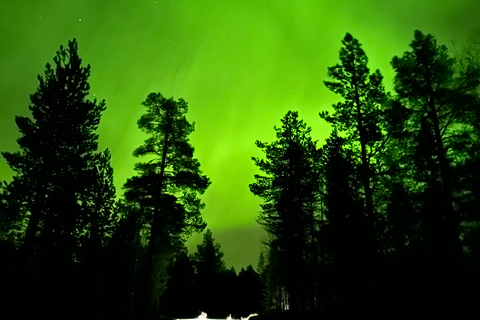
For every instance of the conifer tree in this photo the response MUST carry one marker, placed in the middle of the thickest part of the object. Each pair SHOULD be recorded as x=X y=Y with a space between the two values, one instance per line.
x=289 y=188
x=63 y=186
x=440 y=101
x=212 y=278
x=437 y=97
x=358 y=116
x=60 y=201
x=181 y=297
x=208 y=258
x=165 y=192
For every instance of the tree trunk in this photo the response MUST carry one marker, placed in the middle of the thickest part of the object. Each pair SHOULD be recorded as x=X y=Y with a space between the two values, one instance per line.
x=451 y=219
x=152 y=273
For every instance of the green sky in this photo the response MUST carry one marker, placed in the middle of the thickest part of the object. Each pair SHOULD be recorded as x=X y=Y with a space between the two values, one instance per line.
x=240 y=64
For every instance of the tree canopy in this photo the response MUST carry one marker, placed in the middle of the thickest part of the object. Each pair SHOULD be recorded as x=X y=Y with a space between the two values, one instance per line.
x=61 y=198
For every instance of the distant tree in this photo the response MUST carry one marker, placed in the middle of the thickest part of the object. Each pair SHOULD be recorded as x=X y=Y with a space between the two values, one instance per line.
x=250 y=293
x=62 y=191
x=262 y=263
x=212 y=278
x=291 y=208
x=262 y=270
x=358 y=117
x=165 y=191
x=180 y=298
x=275 y=297
x=208 y=258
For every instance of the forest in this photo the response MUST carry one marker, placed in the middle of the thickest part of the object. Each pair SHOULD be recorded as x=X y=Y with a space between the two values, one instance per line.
x=381 y=221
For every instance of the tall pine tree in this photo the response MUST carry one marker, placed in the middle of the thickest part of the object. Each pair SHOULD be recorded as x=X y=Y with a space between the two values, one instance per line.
x=69 y=183
x=439 y=100
x=436 y=141
x=358 y=116
x=62 y=191
x=166 y=190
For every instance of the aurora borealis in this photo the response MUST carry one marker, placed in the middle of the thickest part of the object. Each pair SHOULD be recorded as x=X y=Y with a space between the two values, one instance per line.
x=240 y=65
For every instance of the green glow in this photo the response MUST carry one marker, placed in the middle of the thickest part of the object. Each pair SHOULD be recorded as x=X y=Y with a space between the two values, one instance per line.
x=241 y=65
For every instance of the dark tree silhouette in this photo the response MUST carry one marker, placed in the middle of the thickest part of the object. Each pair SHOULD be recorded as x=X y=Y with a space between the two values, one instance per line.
x=431 y=124
x=62 y=191
x=359 y=115
x=250 y=293
x=347 y=233
x=211 y=282
x=290 y=213
x=12 y=225
x=438 y=100
x=181 y=297
x=125 y=258
x=208 y=259
x=165 y=191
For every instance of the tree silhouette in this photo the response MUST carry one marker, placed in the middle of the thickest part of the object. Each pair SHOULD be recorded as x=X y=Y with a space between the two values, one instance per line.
x=165 y=191
x=12 y=225
x=348 y=236
x=438 y=99
x=211 y=283
x=290 y=190
x=431 y=122
x=250 y=292
x=358 y=116
x=181 y=297
x=208 y=259
x=62 y=189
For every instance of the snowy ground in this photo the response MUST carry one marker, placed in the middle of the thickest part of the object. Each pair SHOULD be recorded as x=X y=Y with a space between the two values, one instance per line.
x=203 y=315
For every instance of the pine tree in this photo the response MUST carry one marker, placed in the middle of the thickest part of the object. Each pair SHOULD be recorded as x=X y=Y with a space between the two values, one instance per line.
x=439 y=100
x=165 y=191
x=290 y=190
x=358 y=116
x=58 y=159
x=62 y=191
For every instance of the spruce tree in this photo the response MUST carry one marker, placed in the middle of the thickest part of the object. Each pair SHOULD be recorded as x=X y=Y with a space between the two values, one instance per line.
x=289 y=188
x=210 y=270
x=208 y=259
x=181 y=297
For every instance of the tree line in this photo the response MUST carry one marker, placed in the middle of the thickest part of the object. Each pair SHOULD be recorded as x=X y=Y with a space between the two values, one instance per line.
x=69 y=248
x=383 y=218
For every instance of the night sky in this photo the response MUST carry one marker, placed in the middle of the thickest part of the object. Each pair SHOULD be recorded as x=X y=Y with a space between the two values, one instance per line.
x=240 y=64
